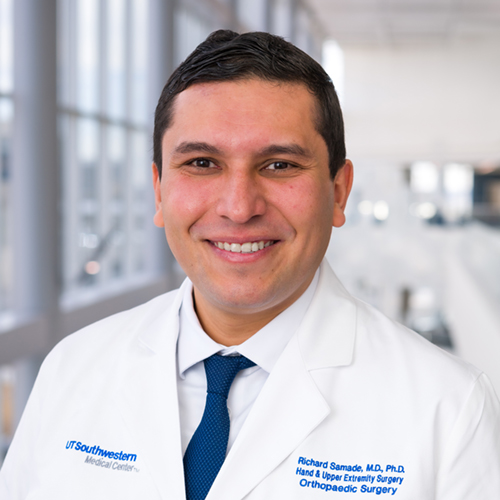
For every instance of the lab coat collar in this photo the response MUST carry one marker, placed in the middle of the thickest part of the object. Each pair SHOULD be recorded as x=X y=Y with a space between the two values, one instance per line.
x=264 y=348
x=327 y=333
x=155 y=331
x=193 y=344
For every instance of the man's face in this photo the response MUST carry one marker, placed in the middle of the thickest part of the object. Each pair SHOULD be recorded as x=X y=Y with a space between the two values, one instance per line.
x=246 y=197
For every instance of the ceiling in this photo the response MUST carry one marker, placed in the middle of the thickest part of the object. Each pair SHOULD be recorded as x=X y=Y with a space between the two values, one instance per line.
x=407 y=21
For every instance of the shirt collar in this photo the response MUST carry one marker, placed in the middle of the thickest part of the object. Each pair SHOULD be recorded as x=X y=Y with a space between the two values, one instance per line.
x=263 y=348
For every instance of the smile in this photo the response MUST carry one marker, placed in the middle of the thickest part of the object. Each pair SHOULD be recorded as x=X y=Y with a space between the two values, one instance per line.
x=249 y=247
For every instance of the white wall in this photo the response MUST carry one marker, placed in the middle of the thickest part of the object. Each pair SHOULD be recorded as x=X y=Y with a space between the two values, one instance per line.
x=439 y=102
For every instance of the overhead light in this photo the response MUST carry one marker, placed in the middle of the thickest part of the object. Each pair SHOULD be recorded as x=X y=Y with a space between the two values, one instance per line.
x=365 y=207
x=381 y=210
x=424 y=177
x=92 y=267
x=458 y=178
x=426 y=210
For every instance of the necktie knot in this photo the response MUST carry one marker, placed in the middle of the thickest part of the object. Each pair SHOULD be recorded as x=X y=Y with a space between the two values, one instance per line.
x=221 y=371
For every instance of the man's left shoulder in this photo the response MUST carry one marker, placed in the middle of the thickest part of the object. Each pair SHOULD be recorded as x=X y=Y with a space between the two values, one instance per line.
x=407 y=354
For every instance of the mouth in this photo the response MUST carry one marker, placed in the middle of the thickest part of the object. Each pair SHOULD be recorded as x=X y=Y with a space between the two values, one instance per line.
x=248 y=247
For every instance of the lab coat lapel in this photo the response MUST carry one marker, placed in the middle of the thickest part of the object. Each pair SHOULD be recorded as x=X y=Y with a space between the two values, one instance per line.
x=328 y=331
x=148 y=400
x=286 y=411
x=291 y=405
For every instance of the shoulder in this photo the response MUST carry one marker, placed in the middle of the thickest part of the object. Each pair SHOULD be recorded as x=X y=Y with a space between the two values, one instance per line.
x=345 y=331
x=112 y=334
x=120 y=326
x=392 y=348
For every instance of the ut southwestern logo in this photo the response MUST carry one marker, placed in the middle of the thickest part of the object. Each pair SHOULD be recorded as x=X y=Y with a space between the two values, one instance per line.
x=100 y=452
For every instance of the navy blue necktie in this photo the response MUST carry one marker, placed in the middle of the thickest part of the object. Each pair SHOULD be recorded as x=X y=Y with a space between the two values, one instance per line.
x=206 y=451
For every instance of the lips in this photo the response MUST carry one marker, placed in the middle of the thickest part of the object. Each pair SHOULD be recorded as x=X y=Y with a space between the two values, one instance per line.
x=247 y=247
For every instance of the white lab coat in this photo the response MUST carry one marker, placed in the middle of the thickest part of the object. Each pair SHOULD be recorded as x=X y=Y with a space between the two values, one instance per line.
x=352 y=390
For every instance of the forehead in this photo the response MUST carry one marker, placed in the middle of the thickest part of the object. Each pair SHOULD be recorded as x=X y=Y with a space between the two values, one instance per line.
x=250 y=106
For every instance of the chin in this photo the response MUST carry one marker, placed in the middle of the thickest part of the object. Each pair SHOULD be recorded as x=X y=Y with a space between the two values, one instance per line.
x=243 y=299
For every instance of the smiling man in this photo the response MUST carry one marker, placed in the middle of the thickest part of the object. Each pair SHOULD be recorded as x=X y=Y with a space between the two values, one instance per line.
x=247 y=199
x=261 y=377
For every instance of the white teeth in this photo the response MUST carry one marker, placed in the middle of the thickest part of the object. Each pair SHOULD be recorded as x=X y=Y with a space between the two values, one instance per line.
x=246 y=248
x=249 y=247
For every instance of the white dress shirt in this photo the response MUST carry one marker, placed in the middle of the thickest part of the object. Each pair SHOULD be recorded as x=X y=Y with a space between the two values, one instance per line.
x=263 y=348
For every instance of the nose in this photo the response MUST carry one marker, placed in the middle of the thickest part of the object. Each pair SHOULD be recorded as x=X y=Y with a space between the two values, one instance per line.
x=241 y=197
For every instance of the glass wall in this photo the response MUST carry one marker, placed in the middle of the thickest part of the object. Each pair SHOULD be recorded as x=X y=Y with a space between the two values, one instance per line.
x=190 y=30
x=282 y=18
x=104 y=130
x=6 y=117
x=252 y=15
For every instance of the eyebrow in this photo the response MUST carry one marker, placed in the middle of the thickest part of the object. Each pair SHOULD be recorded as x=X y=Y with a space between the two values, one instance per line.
x=196 y=147
x=273 y=149
x=286 y=149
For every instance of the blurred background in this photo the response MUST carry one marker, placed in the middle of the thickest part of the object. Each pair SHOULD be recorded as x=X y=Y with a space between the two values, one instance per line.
x=419 y=83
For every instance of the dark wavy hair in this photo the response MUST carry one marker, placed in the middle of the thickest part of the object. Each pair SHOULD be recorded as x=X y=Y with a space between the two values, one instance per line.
x=228 y=56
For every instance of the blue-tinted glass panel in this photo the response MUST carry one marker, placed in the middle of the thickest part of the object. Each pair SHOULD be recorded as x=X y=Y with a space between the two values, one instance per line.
x=88 y=202
x=6 y=46
x=115 y=63
x=88 y=55
x=139 y=199
x=6 y=250
x=252 y=15
x=115 y=223
x=189 y=32
x=139 y=109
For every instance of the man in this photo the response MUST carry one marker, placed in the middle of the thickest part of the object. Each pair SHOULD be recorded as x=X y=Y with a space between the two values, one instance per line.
x=325 y=395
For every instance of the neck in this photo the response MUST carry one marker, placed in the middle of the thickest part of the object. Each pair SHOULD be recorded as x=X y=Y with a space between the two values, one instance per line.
x=227 y=327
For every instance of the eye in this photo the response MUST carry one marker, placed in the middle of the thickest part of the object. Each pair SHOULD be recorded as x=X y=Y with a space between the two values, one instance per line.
x=202 y=163
x=279 y=165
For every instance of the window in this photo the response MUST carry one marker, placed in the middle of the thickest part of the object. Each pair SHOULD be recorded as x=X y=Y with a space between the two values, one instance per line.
x=105 y=151
x=281 y=18
x=303 y=38
x=190 y=31
x=333 y=62
x=252 y=15
x=6 y=117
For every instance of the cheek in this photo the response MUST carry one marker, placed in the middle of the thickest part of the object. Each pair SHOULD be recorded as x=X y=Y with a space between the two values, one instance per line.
x=307 y=205
x=184 y=200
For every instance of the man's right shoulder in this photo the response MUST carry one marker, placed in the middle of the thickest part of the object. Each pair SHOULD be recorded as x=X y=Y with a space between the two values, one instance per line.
x=115 y=331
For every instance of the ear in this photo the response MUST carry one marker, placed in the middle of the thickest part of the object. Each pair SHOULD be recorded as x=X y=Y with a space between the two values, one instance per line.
x=342 y=185
x=158 y=216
